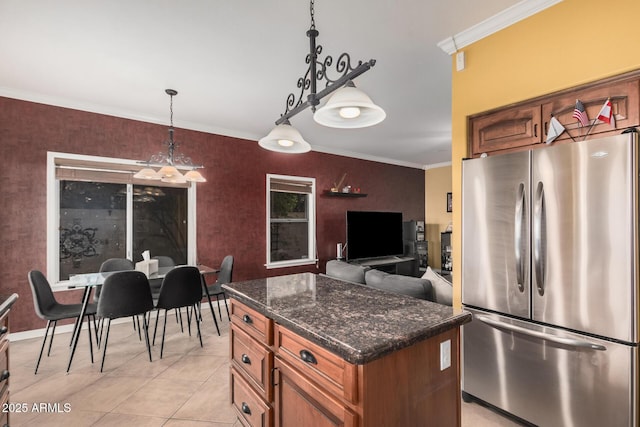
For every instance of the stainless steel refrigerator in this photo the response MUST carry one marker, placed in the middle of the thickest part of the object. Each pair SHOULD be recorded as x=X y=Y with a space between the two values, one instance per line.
x=550 y=273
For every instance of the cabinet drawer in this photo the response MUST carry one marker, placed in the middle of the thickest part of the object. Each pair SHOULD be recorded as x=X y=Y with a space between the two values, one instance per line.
x=326 y=369
x=252 y=322
x=253 y=359
x=248 y=404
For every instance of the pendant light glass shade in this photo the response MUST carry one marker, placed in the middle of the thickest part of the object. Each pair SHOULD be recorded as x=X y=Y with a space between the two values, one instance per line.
x=349 y=107
x=194 y=176
x=284 y=138
x=147 y=173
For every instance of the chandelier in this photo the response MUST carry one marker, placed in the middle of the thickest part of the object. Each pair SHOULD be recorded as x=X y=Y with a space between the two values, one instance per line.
x=348 y=107
x=166 y=162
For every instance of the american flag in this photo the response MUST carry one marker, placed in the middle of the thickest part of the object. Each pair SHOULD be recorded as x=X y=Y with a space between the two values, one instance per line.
x=580 y=114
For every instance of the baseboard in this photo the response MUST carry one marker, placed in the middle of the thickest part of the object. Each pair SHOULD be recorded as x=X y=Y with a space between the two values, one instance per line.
x=39 y=333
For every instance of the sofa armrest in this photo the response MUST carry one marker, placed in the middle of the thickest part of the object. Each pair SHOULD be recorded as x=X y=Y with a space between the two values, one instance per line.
x=344 y=271
x=412 y=286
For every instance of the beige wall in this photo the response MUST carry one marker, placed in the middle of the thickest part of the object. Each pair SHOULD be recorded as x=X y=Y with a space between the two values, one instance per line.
x=437 y=184
x=571 y=43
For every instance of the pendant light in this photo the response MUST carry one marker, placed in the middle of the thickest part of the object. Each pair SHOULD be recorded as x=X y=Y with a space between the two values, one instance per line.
x=349 y=107
x=166 y=162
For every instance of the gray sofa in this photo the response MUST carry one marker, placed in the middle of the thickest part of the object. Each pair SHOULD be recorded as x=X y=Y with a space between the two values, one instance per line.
x=413 y=286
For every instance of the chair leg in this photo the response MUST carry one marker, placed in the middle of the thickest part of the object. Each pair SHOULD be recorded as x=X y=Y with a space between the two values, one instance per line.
x=104 y=349
x=146 y=334
x=156 y=328
x=213 y=314
x=44 y=341
x=90 y=339
x=181 y=325
x=53 y=332
x=226 y=306
x=198 y=326
x=137 y=322
x=189 y=313
x=218 y=302
x=164 y=329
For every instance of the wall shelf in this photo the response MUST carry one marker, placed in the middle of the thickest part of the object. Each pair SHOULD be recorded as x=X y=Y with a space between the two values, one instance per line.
x=340 y=194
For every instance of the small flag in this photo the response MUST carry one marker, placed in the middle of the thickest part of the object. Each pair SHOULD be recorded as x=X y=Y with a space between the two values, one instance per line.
x=555 y=130
x=606 y=113
x=580 y=114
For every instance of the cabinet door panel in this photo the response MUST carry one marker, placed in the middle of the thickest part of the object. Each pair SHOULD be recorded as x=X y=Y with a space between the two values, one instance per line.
x=300 y=403
x=508 y=128
x=625 y=99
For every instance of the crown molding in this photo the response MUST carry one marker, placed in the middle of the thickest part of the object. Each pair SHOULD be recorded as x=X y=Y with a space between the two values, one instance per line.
x=497 y=22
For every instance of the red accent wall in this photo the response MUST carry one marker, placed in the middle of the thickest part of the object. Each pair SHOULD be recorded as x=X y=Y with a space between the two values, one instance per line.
x=231 y=204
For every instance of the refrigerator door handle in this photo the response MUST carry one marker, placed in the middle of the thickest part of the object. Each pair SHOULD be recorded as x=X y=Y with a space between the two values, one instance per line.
x=541 y=335
x=539 y=238
x=519 y=232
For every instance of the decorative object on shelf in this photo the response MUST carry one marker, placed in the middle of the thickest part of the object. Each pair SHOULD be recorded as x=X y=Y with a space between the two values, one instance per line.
x=343 y=194
x=449 y=202
x=348 y=107
x=167 y=162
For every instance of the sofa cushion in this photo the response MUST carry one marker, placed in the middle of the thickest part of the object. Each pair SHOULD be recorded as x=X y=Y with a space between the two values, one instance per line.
x=412 y=286
x=442 y=288
x=345 y=271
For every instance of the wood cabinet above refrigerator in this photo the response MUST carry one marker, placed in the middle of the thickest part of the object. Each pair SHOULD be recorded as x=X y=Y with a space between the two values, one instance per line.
x=525 y=125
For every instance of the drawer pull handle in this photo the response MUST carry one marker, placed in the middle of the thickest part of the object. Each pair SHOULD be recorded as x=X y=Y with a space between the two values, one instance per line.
x=3 y=330
x=247 y=319
x=246 y=409
x=4 y=375
x=245 y=359
x=308 y=357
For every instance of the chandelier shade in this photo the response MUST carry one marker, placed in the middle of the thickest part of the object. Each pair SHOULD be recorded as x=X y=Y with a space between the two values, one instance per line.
x=169 y=162
x=284 y=138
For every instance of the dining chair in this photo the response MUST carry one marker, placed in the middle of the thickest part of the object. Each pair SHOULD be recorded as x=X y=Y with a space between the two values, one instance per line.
x=215 y=289
x=111 y=264
x=181 y=287
x=49 y=309
x=163 y=261
x=124 y=294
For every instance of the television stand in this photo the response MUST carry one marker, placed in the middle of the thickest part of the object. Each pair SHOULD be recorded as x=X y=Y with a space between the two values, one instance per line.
x=404 y=265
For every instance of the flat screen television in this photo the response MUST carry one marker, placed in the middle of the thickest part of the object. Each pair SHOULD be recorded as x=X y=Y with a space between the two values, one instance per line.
x=374 y=234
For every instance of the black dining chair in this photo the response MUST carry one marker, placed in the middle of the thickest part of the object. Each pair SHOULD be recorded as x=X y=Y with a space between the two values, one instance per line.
x=47 y=308
x=124 y=294
x=215 y=289
x=181 y=287
x=111 y=264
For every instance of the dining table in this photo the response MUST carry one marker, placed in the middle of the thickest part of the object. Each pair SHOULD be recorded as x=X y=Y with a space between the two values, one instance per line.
x=88 y=281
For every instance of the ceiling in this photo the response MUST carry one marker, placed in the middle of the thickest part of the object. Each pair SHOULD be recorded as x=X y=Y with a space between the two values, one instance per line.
x=233 y=63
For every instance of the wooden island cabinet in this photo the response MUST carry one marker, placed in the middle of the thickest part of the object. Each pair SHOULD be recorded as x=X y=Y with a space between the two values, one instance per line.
x=525 y=125
x=312 y=351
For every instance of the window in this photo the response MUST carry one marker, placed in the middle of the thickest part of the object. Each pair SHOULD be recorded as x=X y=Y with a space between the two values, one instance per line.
x=96 y=210
x=290 y=221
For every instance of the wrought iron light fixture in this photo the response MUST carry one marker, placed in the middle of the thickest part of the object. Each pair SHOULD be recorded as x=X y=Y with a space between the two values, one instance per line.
x=348 y=107
x=167 y=162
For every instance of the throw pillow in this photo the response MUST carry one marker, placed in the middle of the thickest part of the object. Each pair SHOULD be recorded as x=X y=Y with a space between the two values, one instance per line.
x=442 y=288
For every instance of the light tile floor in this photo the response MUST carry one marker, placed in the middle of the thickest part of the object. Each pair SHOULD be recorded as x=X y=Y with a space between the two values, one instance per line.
x=189 y=386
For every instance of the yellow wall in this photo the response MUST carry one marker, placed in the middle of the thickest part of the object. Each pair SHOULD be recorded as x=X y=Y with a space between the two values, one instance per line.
x=437 y=184
x=573 y=42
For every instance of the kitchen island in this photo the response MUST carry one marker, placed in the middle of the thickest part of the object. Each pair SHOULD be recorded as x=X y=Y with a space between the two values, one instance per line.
x=315 y=351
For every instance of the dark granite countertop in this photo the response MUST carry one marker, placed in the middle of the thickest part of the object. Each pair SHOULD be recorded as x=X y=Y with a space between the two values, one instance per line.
x=357 y=322
x=6 y=301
